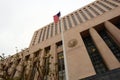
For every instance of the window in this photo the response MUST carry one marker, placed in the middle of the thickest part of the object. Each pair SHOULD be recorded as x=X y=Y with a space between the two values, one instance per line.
x=56 y=29
x=40 y=35
x=36 y=54
x=117 y=24
x=69 y=22
x=64 y=23
x=73 y=18
x=61 y=67
x=59 y=44
x=111 y=75
x=27 y=57
x=47 y=49
x=51 y=30
x=95 y=57
x=60 y=26
x=46 y=69
x=18 y=60
x=46 y=63
x=111 y=44
x=44 y=34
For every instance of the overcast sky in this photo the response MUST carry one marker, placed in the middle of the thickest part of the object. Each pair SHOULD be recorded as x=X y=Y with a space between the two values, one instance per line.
x=20 y=18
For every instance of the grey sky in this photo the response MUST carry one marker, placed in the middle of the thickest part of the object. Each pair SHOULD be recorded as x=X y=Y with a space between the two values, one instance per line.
x=20 y=18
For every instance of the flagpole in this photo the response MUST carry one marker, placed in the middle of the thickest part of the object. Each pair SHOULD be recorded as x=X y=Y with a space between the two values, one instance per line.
x=64 y=51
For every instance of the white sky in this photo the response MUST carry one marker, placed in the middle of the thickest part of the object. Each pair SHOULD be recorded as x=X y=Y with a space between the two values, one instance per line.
x=20 y=18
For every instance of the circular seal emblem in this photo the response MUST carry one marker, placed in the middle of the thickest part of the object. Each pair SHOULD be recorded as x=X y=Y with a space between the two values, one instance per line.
x=72 y=43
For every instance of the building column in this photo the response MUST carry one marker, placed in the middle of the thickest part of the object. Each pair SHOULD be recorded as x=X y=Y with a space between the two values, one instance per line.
x=19 y=70
x=37 y=65
x=42 y=55
x=114 y=31
x=12 y=68
x=106 y=53
x=41 y=63
x=53 y=61
x=29 y=69
x=36 y=76
x=78 y=61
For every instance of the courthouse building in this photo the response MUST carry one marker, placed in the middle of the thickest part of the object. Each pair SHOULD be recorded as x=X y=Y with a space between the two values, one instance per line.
x=83 y=45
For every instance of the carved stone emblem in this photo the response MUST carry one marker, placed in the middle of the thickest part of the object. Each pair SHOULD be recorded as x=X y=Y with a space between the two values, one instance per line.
x=72 y=43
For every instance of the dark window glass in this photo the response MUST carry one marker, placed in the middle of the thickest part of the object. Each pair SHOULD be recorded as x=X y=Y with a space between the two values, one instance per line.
x=110 y=75
x=48 y=29
x=59 y=44
x=47 y=49
x=40 y=35
x=117 y=25
x=95 y=56
x=36 y=54
x=61 y=67
x=27 y=57
x=111 y=44
x=46 y=69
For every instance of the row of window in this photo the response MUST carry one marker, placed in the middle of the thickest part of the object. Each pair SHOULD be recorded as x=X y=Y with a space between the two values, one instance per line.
x=95 y=57
x=97 y=60
x=46 y=65
x=59 y=64
x=75 y=18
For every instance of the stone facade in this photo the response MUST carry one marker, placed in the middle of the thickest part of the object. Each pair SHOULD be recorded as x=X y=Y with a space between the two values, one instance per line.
x=90 y=46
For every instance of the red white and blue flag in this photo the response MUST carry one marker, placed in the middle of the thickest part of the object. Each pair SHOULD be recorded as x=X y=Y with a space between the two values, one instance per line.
x=56 y=17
